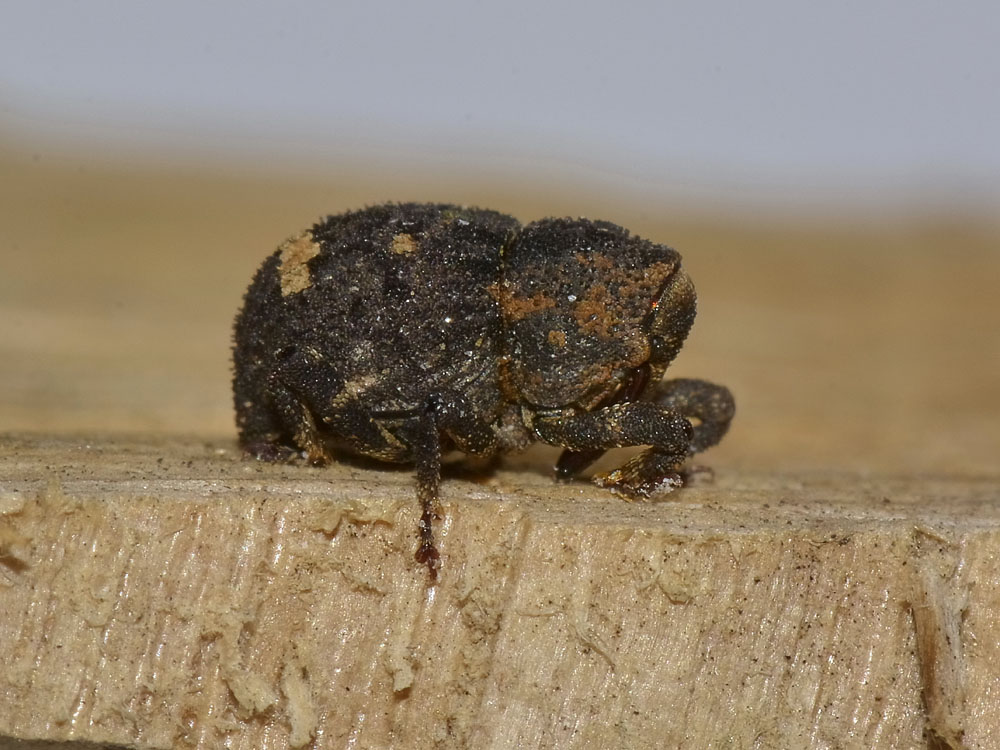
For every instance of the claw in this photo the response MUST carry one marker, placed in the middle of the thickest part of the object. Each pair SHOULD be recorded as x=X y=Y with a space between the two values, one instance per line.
x=428 y=555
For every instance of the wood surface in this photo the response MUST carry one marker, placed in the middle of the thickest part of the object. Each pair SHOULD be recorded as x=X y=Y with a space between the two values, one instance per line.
x=835 y=585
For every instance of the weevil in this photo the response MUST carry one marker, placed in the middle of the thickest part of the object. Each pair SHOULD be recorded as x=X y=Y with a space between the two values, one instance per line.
x=403 y=331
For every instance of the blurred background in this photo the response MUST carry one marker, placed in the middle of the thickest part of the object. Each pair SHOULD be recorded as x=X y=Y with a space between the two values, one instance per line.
x=830 y=172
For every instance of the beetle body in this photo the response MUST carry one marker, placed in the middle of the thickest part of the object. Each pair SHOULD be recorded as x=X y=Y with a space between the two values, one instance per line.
x=403 y=330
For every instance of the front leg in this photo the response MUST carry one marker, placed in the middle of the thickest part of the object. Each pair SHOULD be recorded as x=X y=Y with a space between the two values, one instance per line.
x=710 y=405
x=668 y=433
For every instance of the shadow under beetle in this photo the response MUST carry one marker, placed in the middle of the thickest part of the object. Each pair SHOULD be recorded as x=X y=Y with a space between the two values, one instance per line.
x=401 y=331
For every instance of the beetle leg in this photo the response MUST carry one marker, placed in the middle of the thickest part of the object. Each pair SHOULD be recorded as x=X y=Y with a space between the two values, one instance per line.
x=457 y=418
x=622 y=425
x=711 y=405
x=443 y=414
x=571 y=463
x=651 y=471
x=309 y=424
x=423 y=436
x=278 y=424
x=275 y=420
x=298 y=420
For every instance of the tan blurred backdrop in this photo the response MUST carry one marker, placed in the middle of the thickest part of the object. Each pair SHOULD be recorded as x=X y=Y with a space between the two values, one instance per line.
x=866 y=343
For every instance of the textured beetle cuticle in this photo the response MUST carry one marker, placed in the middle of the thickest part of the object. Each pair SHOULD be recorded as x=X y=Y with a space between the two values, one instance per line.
x=401 y=331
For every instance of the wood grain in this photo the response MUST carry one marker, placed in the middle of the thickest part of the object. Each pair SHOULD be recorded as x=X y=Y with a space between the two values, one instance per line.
x=165 y=593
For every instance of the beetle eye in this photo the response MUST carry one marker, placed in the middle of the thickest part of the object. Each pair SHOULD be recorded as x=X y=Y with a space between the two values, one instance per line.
x=657 y=342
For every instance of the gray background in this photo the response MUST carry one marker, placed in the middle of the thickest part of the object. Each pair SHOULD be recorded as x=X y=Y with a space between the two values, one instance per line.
x=806 y=104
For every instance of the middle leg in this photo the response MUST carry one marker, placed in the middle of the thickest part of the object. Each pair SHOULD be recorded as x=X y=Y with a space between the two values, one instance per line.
x=450 y=415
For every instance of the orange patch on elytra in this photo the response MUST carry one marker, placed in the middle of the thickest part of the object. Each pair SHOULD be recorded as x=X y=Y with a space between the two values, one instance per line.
x=296 y=252
x=518 y=308
x=557 y=338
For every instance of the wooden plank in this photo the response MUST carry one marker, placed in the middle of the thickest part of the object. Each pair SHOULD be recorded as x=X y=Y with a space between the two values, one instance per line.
x=164 y=593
